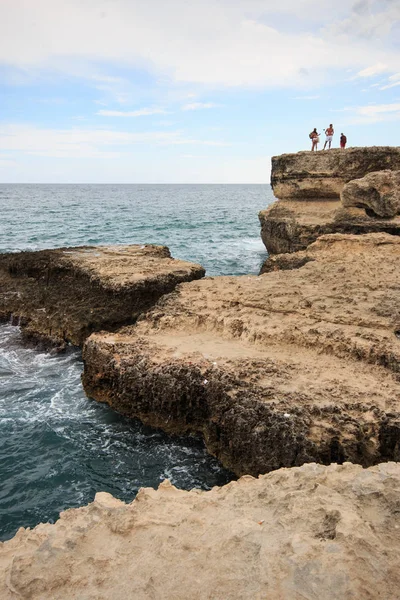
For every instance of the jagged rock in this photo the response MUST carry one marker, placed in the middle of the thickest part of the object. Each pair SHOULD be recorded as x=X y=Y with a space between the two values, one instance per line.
x=309 y=533
x=379 y=192
x=319 y=175
x=65 y=294
x=294 y=366
x=290 y=226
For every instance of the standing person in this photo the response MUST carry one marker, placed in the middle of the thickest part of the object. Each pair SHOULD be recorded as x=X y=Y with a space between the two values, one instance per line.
x=343 y=141
x=329 y=136
x=314 y=136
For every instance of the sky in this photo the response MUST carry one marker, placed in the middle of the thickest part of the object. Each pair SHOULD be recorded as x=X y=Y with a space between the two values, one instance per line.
x=189 y=91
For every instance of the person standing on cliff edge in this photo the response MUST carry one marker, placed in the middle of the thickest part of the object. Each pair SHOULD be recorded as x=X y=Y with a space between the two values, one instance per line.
x=314 y=136
x=329 y=136
x=343 y=141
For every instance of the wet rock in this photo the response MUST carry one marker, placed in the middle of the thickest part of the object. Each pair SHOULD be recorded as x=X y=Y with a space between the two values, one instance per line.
x=61 y=296
x=378 y=193
x=310 y=532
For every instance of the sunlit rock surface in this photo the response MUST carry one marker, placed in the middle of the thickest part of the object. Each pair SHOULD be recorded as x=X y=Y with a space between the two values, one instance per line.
x=312 y=533
x=300 y=364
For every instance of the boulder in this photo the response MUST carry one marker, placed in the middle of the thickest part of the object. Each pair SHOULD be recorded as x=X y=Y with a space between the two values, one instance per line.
x=312 y=533
x=320 y=175
x=378 y=193
x=61 y=296
x=297 y=365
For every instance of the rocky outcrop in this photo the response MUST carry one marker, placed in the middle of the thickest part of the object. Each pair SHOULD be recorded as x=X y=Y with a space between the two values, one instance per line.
x=290 y=226
x=294 y=366
x=309 y=185
x=306 y=533
x=378 y=193
x=63 y=295
x=319 y=175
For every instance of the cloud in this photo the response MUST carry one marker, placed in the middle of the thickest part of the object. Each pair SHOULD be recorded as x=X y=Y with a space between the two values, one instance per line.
x=225 y=43
x=199 y=105
x=372 y=113
x=375 y=109
x=87 y=143
x=143 y=112
x=373 y=70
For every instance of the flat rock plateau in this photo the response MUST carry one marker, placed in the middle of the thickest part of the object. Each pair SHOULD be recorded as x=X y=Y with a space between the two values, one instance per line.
x=309 y=187
x=308 y=533
x=65 y=294
x=289 y=367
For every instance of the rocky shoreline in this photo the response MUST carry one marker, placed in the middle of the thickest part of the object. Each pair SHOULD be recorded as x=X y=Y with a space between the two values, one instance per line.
x=61 y=296
x=300 y=364
x=311 y=532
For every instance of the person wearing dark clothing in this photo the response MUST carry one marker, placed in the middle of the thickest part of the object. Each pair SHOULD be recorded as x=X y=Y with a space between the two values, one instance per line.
x=343 y=141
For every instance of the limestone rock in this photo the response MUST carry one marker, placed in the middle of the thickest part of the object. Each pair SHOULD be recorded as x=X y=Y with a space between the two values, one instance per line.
x=290 y=225
x=65 y=294
x=294 y=366
x=377 y=192
x=323 y=174
x=308 y=533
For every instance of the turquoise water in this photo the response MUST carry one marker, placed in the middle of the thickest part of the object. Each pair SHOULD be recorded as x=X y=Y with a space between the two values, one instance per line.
x=58 y=448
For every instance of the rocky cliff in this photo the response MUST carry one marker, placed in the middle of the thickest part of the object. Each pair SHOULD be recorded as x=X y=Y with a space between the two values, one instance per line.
x=63 y=295
x=319 y=175
x=308 y=533
x=301 y=364
x=311 y=187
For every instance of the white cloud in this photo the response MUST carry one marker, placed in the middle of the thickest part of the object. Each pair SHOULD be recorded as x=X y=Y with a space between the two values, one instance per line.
x=390 y=85
x=373 y=70
x=199 y=105
x=375 y=109
x=225 y=43
x=87 y=143
x=143 y=112
x=372 y=113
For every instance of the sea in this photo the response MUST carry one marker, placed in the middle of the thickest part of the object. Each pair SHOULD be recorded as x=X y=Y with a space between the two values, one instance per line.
x=58 y=447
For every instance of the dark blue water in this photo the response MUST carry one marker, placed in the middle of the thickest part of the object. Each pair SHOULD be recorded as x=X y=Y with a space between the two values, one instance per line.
x=57 y=448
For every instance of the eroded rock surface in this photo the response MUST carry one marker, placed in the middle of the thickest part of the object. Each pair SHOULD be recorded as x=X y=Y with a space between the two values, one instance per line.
x=63 y=295
x=297 y=365
x=290 y=225
x=309 y=186
x=308 y=533
x=319 y=175
x=377 y=192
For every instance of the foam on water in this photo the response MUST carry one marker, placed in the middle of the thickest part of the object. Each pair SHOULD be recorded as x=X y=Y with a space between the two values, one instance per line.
x=57 y=448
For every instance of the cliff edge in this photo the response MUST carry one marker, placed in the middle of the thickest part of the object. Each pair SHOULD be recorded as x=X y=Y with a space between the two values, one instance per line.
x=310 y=187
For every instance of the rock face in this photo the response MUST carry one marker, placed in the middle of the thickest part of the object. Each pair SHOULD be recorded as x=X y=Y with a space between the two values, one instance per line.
x=290 y=226
x=379 y=192
x=309 y=185
x=63 y=295
x=294 y=366
x=318 y=175
x=307 y=533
